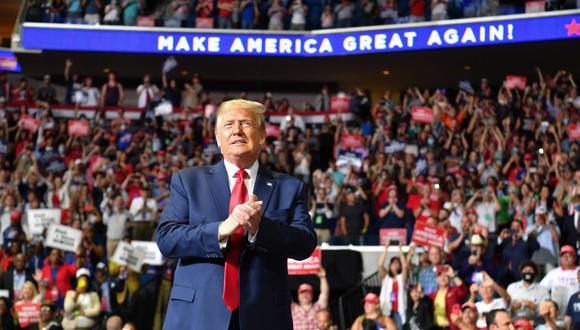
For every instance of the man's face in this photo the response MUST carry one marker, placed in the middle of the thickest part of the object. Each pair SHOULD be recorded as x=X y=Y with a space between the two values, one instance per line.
x=434 y=255
x=239 y=135
x=567 y=259
x=305 y=297
x=19 y=262
x=503 y=321
x=469 y=316
x=323 y=320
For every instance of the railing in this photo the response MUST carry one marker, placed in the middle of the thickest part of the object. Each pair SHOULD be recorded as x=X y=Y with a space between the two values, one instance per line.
x=349 y=305
x=16 y=40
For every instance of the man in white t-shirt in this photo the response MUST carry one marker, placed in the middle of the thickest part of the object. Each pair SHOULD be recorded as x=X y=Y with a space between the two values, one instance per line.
x=486 y=290
x=526 y=295
x=562 y=282
x=486 y=208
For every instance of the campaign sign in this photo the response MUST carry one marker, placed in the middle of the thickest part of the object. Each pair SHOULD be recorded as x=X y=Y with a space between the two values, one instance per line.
x=427 y=235
x=338 y=103
x=399 y=235
x=78 y=128
x=39 y=219
x=422 y=115
x=273 y=130
x=574 y=132
x=27 y=312
x=164 y=108
x=29 y=123
x=512 y=82
x=346 y=158
x=63 y=237
x=394 y=147
x=152 y=254
x=127 y=255
x=351 y=141
x=308 y=266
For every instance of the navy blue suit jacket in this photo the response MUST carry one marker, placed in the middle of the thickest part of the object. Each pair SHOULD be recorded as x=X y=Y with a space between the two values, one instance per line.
x=188 y=231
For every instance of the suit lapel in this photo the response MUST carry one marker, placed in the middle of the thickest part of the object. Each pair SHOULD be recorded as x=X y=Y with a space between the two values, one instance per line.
x=264 y=186
x=218 y=185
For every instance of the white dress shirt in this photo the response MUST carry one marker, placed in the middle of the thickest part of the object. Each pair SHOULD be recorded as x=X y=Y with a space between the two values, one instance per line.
x=250 y=181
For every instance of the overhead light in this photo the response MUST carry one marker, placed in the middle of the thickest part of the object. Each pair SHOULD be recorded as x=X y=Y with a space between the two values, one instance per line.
x=184 y=73
x=386 y=72
x=467 y=67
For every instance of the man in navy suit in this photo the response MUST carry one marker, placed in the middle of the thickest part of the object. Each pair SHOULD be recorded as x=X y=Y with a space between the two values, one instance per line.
x=215 y=225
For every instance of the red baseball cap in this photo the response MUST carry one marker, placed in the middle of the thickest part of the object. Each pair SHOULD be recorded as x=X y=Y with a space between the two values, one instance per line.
x=15 y=215
x=528 y=156
x=567 y=249
x=523 y=323
x=468 y=305
x=371 y=298
x=305 y=287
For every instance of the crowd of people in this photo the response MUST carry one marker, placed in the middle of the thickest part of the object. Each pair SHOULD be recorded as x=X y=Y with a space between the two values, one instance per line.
x=495 y=169
x=272 y=14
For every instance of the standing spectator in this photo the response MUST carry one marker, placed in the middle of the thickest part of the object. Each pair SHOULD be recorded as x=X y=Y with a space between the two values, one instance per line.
x=392 y=212
x=326 y=22
x=73 y=85
x=369 y=12
x=562 y=282
x=204 y=9
x=57 y=276
x=6 y=320
x=572 y=318
x=112 y=13
x=92 y=11
x=170 y=91
x=89 y=94
x=304 y=312
x=488 y=303
x=547 y=234
x=147 y=93
x=47 y=318
x=22 y=94
x=499 y=319
x=4 y=87
x=353 y=220
x=486 y=208
x=74 y=12
x=108 y=288
x=117 y=220
x=439 y=10
x=344 y=12
x=81 y=306
x=112 y=92
x=130 y=12
x=447 y=296
x=417 y=11
x=419 y=311
x=298 y=10
x=373 y=316
x=428 y=275
x=14 y=279
x=514 y=249
x=248 y=12
x=389 y=12
x=46 y=94
x=276 y=12
x=321 y=213
x=324 y=321
x=225 y=10
x=393 y=295
x=548 y=311
x=143 y=211
x=526 y=295
x=467 y=318
x=322 y=101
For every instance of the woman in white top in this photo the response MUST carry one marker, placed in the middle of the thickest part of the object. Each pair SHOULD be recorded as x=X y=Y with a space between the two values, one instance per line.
x=393 y=297
x=276 y=14
x=81 y=307
x=298 y=12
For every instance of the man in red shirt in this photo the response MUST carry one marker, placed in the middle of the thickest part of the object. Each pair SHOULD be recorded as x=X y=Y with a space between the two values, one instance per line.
x=225 y=8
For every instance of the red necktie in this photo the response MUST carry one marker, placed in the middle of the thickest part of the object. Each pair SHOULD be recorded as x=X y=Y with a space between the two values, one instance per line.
x=231 y=294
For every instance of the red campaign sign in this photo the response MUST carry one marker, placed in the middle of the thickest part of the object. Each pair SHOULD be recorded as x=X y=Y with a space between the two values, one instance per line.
x=309 y=266
x=518 y=82
x=422 y=115
x=27 y=312
x=339 y=103
x=427 y=235
x=78 y=128
x=29 y=123
x=8 y=63
x=273 y=130
x=393 y=235
x=351 y=141
x=574 y=132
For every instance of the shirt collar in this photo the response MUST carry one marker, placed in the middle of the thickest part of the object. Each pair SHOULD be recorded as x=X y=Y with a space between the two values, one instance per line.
x=233 y=169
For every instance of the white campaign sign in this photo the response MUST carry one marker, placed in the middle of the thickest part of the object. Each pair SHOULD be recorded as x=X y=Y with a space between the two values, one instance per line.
x=127 y=255
x=39 y=219
x=63 y=237
x=152 y=254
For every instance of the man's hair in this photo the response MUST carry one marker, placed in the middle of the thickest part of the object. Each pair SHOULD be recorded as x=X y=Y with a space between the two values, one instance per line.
x=255 y=107
x=490 y=317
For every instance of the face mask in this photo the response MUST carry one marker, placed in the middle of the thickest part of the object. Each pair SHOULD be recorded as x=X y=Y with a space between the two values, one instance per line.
x=82 y=283
x=528 y=277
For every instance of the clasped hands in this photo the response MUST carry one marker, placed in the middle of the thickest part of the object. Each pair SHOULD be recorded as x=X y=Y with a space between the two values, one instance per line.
x=247 y=215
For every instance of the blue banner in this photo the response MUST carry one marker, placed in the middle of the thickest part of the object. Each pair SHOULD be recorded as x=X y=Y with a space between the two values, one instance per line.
x=380 y=39
x=8 y=61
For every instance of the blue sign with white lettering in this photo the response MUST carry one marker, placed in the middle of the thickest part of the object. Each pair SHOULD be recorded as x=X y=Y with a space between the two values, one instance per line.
x=464 y=33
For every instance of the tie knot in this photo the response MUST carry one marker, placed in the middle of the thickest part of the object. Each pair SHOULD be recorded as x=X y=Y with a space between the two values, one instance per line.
x=241 y=174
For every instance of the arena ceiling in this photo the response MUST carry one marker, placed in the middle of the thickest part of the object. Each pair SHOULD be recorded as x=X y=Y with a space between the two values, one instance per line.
x=434 y=68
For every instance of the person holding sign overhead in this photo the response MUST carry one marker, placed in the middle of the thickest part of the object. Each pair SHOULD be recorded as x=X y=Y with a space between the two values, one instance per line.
x=232 y=226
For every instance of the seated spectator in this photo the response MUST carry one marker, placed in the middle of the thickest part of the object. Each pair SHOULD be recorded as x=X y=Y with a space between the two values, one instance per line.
x=304 y=313
x=499 y=319
x=324 y=321
x=526 y=295
x=81 y=306
x=548 y=311
x=572 y=315
x=48 y=318
x=466 y=319
x=372 y=312
x=486 y=289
